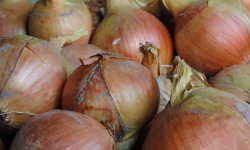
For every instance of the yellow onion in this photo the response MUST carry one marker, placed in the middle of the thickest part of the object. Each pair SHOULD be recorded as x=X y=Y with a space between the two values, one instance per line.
x=120 y=93
x=32 y=77
x=198 y=116
x=14 y=16
x=213 y=34
x=62 y=129
x=125 y=27
x=236 y=75
x=54 y=18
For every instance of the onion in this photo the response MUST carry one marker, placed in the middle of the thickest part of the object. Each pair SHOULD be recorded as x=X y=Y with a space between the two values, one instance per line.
x=54 y=18
x=63 y=130
x=124 y=27
x=32 y=77
x=116 y=91
x=14 y=16
x=199 y=117
x=211 y=35
x=236 y=75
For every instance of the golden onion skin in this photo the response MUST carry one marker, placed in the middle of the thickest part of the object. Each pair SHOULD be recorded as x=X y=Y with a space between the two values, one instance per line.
x=54 y=18
x=62 y=129
x=14 y=16
x=198 y=123
x=119 y=92
x=32 y=76
x=127 y=27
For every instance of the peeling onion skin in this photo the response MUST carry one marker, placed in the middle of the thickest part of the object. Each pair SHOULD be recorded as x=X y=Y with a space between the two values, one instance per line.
x=119 y=92
x=213 y=35
x=54 y=18
x=62 y=129
x=127 y=27
x=14 y=16
x=73 y=53
x=198 y=123
x=32 y=76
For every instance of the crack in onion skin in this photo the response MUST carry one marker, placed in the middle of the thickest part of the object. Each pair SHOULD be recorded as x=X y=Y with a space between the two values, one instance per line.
x=117 y=91
x=62 y=129
x=14 y=16
x=210 y=38
x=127 y=27
x=32 y=76
x=54 y=18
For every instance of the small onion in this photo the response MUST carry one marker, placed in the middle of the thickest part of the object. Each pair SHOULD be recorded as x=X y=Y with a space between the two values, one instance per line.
x=32 y=77
x=14 y=16
x=124 y=27
x=199 y=117
x=61 y=129
x=114 y=90
x=54 y=18
x=213 y=34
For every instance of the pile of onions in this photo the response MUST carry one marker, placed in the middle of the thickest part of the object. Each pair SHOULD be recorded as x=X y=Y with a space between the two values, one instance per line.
x=236 y=75
x=198 y=116
x=61 y=129
x=125 y=27
x=14 y=16
x=211 y=34
x=32 y=76
x=119 y=92
x=54 y=18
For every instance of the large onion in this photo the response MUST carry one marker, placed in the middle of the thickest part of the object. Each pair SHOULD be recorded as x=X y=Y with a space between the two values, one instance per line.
x=32 y=76
x=14 y=16
x=199 y=117
x=114 y=90
x=59 y=130
x=125 y=27
x=54 y=18
x=213 y=34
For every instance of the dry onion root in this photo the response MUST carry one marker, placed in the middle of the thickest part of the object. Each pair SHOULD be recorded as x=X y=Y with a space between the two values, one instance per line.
x=32 y=76
x=198 y=116
x=120 y=93
x=61 y=129
x=14 y=16
x=54 y=18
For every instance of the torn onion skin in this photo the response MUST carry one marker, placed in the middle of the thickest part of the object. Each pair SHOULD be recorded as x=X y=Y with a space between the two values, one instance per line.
x=62 y=129
x=32 y=76
x=14 y=16
x=127 y=27
x=114 y=90
x=54 y=18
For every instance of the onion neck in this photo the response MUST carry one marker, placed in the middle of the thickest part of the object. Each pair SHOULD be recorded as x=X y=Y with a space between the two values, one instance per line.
x=185 y=80
x=113 y=4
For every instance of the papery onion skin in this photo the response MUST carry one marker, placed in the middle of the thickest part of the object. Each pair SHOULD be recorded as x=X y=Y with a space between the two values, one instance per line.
x=198 y=123
x=61 y=129
x=54 y=18
x=236 y=75
x=32 y=77
x=124 y=28
x=72 y=55
x=210 y=38
x=119 y=92
x=14 y=16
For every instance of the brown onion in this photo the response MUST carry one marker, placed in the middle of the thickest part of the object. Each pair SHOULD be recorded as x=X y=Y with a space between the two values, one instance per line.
x=213 y=34
x=54 y=18
x=61 y=129
x=114 y=90
x=14 y=16
x=32 y=77
x=125 y=27
x=199 y=117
